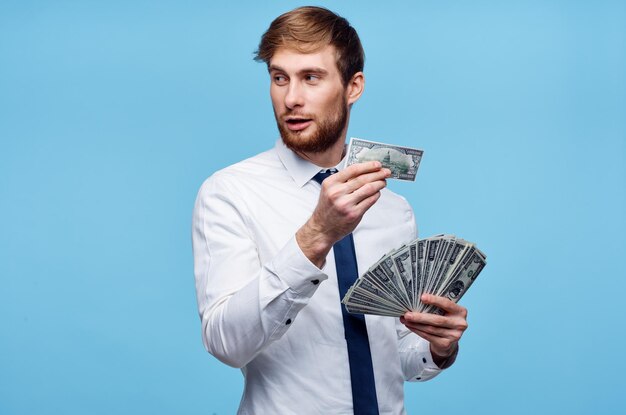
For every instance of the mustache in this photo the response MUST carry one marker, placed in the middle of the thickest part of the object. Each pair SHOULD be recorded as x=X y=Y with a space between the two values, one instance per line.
x=296 y=114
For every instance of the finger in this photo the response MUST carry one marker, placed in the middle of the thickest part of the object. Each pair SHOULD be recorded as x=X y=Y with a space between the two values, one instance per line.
x=365 y=191
x=352 y=206
x=433 y=320
x=355 y=170
x=339 y=189
x=436 y=331
x=427 y=336
x=444 y=303
x=439 y=346
x=367 y=203
x=356 y=183
x=438 y=342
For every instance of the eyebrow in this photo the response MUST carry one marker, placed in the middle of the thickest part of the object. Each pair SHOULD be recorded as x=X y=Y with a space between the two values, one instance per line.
x=313 y=69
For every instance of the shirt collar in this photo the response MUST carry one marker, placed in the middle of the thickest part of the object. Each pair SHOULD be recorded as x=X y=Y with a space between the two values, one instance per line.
x=301 y=170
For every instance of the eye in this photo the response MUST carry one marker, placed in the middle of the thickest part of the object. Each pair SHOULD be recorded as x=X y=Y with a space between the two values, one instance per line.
x=313 y=79
x=279 y=79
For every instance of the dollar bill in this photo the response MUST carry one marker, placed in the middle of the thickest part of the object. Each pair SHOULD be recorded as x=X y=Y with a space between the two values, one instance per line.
x=402 y=161
x=402 y=267
x=456 y=287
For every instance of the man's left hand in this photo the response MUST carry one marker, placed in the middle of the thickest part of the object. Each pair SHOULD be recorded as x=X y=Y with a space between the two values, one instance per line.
x=443 y=332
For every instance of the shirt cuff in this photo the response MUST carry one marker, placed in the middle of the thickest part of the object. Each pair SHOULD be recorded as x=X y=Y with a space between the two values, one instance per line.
x=448 y=361
x=296 y=270
x=421 y=359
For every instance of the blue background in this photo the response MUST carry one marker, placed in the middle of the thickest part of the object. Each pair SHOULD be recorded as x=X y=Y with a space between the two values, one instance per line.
x=113 y=113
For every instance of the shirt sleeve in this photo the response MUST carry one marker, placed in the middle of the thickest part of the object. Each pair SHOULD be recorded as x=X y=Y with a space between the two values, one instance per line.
x=243 y=305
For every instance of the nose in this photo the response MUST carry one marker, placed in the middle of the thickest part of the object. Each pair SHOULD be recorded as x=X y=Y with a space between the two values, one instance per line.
x=294 y=97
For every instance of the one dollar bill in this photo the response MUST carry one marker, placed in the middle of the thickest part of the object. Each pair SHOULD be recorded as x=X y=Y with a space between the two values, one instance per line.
x=402 y=161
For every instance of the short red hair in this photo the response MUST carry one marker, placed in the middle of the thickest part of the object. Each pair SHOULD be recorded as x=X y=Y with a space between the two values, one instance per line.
x=308 y=29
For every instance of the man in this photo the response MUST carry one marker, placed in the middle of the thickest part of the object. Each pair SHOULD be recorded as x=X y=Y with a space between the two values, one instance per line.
x=268 y=285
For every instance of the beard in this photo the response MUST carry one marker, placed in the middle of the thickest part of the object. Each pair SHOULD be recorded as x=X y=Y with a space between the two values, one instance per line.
x=328 y=131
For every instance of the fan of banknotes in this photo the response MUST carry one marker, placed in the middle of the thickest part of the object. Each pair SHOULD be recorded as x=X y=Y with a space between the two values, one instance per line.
x=443 y=265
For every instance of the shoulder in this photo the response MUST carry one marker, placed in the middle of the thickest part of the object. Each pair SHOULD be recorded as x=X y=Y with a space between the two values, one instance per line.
x=243 y=174
x=255 y=166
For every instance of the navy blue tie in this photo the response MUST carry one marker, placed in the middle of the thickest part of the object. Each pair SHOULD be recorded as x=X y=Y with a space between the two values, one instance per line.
x=360 y=358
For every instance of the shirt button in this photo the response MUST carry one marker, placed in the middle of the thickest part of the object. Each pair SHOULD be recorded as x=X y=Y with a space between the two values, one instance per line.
x=315 y=282
x=288 y=322
x=418 y=378
x=424 y=359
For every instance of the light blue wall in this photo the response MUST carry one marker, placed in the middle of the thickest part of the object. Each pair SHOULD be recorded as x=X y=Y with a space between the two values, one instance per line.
x=112 y=114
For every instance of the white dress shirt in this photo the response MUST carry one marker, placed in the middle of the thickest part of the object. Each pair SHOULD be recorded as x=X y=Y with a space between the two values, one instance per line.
x=265 y=308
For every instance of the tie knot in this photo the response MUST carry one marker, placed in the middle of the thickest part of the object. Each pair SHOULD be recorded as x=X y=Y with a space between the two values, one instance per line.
x=323 y=175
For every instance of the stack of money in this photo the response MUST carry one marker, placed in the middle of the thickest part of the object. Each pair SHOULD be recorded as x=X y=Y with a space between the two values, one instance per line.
x=442 y=265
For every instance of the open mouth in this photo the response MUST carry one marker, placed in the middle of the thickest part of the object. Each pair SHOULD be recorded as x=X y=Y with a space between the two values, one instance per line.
x=296 y=124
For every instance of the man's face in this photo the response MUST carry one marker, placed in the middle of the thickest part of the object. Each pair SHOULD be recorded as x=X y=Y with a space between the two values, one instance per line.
x=310 y=102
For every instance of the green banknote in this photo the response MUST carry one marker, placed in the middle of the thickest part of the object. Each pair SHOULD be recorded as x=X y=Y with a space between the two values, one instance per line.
x=402 y=161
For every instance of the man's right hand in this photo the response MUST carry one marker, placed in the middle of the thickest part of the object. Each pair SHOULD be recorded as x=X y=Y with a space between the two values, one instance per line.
x=344 y=199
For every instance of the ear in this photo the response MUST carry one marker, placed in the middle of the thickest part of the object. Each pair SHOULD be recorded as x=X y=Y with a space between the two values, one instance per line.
x=355 y=87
